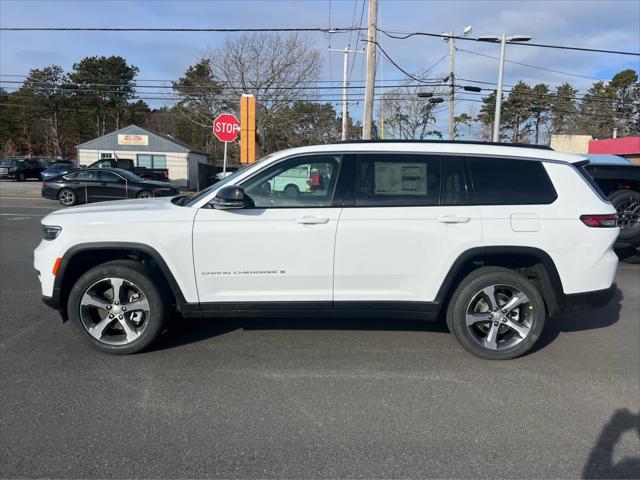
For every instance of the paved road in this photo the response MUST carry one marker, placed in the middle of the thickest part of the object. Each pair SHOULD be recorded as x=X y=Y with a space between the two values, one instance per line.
x=294 y=398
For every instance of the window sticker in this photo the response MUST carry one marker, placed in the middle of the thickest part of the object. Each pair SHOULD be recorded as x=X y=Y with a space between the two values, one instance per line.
x=400 y=178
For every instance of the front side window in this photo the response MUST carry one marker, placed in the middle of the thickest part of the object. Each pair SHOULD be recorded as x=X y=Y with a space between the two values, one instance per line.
x=509 y=181
x=308 y=181
x=103 y=164
x=389 y=180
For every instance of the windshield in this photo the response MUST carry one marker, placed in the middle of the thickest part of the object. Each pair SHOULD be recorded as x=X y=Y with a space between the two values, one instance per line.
x=203 y=193
x=60 y=166
x=7 y=162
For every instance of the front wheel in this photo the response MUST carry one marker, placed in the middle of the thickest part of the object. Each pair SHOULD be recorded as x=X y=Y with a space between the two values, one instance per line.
x=21 y=177
x=144 y=194
x=496 y=313
x=67 y=197
x=117 y=307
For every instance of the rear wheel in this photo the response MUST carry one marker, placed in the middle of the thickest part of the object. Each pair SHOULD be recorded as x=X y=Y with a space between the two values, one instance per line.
x=291 y=190
x=67 y=197
x=627 y=203
x=496 y=313
x=117 y=307
x=144 y=194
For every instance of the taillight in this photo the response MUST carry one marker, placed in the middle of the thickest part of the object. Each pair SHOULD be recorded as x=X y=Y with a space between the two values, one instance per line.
x=600 y=221
x=45 y=184
x=165 y=172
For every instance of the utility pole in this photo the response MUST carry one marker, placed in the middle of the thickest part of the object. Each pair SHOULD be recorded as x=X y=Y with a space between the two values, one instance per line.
x=345 y=86
x=503 y=39
x=452 y=86
x=371 y=70
x=452 y=77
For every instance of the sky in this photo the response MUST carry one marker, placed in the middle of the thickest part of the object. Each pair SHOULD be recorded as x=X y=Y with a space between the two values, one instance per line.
x=611 y=25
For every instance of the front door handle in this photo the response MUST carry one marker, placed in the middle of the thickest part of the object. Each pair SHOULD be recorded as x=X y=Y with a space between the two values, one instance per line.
x=453 y=219
x=312 y=220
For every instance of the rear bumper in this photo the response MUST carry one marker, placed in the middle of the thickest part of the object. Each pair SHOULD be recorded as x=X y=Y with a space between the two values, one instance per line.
x=578 y=302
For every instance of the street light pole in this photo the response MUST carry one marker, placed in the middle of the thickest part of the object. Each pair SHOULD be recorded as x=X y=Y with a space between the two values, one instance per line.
x=496 y=118
x=503 y=39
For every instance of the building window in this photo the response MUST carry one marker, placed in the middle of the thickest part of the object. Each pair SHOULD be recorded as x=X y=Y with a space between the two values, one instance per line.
x=104 y=155
x=152 y=161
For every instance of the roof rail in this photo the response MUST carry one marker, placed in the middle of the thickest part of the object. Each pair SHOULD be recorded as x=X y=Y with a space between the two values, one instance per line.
x=464 y=142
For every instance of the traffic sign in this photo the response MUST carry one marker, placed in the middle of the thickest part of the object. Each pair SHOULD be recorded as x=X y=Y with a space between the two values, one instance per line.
x=226 y=127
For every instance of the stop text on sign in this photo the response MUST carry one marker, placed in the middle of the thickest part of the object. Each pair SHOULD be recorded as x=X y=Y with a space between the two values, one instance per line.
x=225 y=127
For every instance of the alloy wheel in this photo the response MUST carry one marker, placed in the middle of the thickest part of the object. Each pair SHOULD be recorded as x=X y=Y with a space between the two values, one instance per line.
x=67 y=197
x=628 y=213
x=114 y=311
x=499 y=317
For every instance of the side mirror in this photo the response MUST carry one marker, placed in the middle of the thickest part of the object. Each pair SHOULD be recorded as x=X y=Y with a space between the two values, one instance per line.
x=228 y=198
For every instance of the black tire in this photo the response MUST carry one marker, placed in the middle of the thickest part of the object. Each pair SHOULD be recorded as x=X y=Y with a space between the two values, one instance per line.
x=627 y=203
x=21 y=177
x=67 y=197
x=468 y=290
x=136 y=274
x=144 y=194
x=291 y=190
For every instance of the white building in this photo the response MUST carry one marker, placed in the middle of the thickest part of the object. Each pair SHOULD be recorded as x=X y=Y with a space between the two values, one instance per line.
x=147 y=149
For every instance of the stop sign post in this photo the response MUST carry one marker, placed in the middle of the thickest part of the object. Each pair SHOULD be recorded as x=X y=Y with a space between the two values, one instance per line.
x=225 y=128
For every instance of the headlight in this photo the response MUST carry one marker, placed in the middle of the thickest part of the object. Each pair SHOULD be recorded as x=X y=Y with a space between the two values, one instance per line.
x=49 y=232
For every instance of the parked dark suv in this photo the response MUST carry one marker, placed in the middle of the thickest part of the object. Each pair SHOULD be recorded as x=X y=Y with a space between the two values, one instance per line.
x=20 y=168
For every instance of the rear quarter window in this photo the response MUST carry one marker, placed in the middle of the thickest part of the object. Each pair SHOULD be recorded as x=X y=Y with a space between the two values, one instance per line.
x=510 y=181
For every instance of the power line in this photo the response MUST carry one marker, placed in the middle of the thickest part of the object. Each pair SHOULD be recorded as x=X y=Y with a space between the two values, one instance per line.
x=390 y=34
x=529 y=65
x=195 y=30
x=404 y=36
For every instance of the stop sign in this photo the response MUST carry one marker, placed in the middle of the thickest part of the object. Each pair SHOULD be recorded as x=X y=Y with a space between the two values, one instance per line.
x=225 y=127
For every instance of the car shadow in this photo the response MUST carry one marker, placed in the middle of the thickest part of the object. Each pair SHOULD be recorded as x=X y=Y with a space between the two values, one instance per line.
x=184 y=331
x=600 y=463
x=579 y=321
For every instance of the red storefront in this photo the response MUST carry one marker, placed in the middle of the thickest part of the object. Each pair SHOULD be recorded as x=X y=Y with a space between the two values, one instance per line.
x=627 y=147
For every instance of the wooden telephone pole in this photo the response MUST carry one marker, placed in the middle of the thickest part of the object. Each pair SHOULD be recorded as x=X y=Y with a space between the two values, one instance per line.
x=371 y=70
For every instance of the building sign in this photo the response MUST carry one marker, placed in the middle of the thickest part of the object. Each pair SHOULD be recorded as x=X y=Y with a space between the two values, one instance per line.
x=133 y=139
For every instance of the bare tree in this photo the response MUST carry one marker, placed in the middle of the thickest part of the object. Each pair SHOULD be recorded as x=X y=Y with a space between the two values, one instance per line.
x=407 y=116
x=269 y=66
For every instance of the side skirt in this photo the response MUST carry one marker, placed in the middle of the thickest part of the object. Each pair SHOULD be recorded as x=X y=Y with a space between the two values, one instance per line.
x=411 y=310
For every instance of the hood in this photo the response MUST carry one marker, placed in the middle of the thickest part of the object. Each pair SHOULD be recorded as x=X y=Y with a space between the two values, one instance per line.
x=142 y=204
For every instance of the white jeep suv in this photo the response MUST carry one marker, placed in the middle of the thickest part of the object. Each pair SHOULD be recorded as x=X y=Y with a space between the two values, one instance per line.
x=494 y=237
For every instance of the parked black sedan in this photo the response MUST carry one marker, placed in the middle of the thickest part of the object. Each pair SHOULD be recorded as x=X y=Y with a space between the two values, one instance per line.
x=101 y=184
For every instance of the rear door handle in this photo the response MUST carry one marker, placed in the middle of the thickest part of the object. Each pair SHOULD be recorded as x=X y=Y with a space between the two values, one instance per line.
x=453 y=219
x=312 y=220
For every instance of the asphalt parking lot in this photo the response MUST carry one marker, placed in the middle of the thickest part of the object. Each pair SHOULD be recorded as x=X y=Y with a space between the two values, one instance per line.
x=309 y=398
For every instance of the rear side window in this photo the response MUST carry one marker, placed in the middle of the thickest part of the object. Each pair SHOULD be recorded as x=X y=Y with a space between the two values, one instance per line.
x=509 y=181
x=388 y=180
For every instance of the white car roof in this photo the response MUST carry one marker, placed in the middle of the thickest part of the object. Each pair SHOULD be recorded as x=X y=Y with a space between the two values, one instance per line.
x=468 y=148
